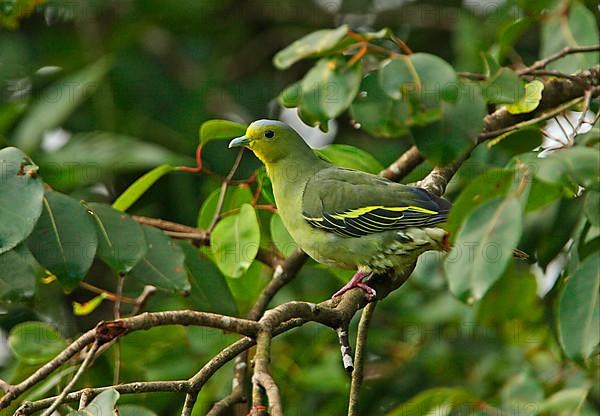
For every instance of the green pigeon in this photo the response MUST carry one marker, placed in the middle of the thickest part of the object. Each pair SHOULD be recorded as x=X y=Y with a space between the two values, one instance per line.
x=343 y=217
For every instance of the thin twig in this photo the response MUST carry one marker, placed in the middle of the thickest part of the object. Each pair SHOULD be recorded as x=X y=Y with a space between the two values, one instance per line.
x=542 y=63
x=117 y=316
x=109 y=295
x=142 y=298
x=69 y=386
x=223 y=192
x=581 y=120
x=544 y=116
x=200 y=237
x=345 y=349
x=283 y=273
x=359 y=357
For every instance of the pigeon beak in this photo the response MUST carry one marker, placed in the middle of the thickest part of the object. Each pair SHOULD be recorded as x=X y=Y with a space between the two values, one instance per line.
x=239 y=142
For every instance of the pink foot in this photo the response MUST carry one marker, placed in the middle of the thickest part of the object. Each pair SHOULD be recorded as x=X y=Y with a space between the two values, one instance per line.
x=357 y=281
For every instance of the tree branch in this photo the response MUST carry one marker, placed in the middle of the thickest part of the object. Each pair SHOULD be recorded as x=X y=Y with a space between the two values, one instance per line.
x=86 y=362
x=558 y=95
x=359 y=358
x=201 y=237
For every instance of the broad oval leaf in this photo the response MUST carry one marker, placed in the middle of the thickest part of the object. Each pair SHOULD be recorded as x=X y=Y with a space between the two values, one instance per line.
x=579 y=310
x=17 y=278
x=578 y=28
x=134 y=410
x=426 y=77
x=351 y=157
x=209 y=290
x=461 y=121
x=35 y=342
x=235 y=241
x=121 y=242
x=329 y=87
x=64 y=239
x=530 y=100
x=378 y=114
x=591 y=207
x=220 y=130
x=579 y=164
x=281 y=237
x=235 y=196
x=312 y=44
x=21 y=194
x=483 y=247
x=491 y=184
x=104 y=404
x=163 y=265
x=291 y=96
x=140 y=186
x=504 y=87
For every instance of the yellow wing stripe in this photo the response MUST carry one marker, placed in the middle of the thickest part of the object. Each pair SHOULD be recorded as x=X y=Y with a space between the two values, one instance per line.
x=357 y=212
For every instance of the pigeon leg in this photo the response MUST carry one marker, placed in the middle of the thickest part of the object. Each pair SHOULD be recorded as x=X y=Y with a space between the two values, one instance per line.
x=357 y=281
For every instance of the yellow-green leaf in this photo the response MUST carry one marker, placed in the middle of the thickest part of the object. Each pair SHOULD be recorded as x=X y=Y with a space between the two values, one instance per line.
x=529 y=102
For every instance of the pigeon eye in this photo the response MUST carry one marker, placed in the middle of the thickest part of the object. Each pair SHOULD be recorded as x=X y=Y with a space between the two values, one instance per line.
x=269 y=134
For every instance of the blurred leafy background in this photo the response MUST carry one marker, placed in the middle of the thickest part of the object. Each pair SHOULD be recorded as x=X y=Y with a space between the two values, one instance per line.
x=98 y=92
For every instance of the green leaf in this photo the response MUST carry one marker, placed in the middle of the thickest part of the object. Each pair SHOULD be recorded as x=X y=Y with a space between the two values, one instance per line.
x=579 y=164
x=57 y=102
x=17 y=279
x=579 y=310
x=578 y=28
x=209 y=290
x=64 y=239
x=21 y=193
x=442 y=141
x=541 y=194
x=504 y=87
x=559 y=221
x=140 y=186
x=483 y=247
x=351 y=157
x=521 y=141
x=82 y=309
x=521 y=390
x=567 y=402
x=35 y=342
x=329 y=87
x=529 y=101
x=313 y=44
x=235 y=241
x=163 y=264
x=426 y=77
x=104 y=404
x=220 y=130
x=430 y=401
x=491 y=184
x=134 y=410
x=281 y=237
x=591 y=207
x=291 y=96
x=235 y=196
x=121 y=242
x=378 y=114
